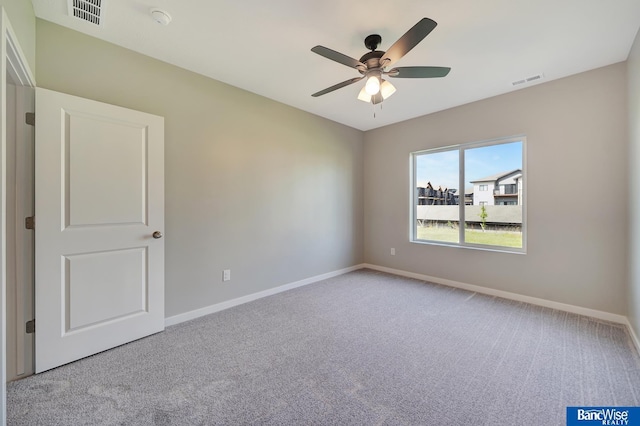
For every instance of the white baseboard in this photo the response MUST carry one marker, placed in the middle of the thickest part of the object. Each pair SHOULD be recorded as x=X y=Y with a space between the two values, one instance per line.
x=606 y=316
x=187 y=316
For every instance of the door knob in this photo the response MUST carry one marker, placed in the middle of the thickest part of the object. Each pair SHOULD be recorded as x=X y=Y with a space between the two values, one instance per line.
x=157 y=235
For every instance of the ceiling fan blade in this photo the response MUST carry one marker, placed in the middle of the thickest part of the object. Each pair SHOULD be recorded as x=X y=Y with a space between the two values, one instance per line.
x=337 y=86
x=338 y=57
x=419 y=72
x=408 y=41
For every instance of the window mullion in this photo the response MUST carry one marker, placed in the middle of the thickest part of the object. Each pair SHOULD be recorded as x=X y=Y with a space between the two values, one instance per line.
x=461 y=191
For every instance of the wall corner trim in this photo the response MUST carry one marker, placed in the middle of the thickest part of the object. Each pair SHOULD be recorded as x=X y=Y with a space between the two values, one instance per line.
x=197 y=313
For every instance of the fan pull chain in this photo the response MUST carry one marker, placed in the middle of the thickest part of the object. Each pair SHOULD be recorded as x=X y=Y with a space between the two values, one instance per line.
x=373 y=107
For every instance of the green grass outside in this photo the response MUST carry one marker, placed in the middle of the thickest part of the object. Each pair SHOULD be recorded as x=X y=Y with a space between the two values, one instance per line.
x=490 y=238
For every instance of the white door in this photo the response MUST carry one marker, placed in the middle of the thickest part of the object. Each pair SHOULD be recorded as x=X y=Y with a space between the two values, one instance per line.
x=99 y=223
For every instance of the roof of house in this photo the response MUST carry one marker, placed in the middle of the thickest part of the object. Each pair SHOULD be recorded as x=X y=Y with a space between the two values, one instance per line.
x=497 y=176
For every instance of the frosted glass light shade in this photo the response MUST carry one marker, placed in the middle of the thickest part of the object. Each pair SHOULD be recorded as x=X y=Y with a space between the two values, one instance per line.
x=373 y=85
x=387 y=89
x=364 y=96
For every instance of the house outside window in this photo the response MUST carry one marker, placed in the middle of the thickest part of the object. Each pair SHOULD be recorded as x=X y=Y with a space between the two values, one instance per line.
x=504 y=185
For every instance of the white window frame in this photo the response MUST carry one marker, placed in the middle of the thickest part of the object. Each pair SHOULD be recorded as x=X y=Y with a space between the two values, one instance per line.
x=461 y=148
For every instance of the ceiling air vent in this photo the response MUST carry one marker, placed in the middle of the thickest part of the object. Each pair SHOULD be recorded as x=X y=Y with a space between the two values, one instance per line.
x=528 y=79
x=87 y=10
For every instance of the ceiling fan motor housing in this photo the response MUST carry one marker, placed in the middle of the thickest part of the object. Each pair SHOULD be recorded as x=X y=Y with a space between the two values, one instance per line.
x=371 y=59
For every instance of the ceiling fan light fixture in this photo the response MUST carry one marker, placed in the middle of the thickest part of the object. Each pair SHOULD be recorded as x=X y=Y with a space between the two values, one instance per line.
x=387 y=89
x=373 y=84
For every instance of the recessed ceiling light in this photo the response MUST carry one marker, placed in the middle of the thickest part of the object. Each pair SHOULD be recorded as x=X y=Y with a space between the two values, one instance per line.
x=160 y=16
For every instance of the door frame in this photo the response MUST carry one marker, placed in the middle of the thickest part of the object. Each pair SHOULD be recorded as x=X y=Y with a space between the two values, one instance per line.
x=15 y=69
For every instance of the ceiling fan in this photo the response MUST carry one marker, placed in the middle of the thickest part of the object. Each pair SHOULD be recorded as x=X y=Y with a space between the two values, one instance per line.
x=373 y=65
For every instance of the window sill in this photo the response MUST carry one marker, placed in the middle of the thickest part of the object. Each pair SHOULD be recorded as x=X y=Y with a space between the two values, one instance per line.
x=507 y=250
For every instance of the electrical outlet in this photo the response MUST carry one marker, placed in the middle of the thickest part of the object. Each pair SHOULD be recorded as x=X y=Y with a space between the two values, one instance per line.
x=226 y=275
x=393 y=251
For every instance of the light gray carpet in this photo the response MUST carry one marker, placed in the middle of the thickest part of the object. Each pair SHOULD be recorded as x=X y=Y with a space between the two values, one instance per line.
x=365 y=348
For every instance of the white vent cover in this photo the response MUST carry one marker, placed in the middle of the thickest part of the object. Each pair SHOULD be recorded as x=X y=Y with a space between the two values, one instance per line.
x=528 y=79
x=87 y=10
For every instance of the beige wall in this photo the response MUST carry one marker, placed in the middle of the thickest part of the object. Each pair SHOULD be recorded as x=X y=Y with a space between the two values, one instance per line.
x=633 y=73
x=23 y=22
x=252 y=185
x=577 y=176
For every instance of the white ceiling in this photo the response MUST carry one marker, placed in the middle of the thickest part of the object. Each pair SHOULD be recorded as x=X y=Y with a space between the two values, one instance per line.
x=264 y=46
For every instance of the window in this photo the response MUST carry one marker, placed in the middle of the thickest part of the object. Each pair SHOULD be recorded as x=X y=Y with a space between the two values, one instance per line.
x=510 y=189
x=493 y=212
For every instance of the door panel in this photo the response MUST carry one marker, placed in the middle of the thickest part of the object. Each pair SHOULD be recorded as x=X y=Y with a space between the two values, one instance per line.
x=99 y=198
x=107 y=161
x=106 y=286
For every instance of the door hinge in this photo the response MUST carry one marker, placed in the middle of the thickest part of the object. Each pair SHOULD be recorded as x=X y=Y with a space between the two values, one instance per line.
x=30 y=118
x=31 y=326
x=30 y=222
